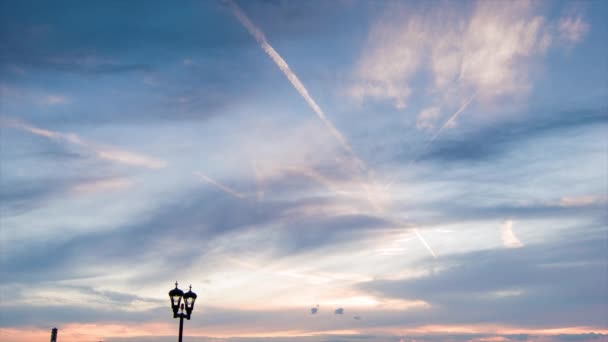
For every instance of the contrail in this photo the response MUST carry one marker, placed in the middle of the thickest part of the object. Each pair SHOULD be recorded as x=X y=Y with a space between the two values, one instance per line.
x=295 y=81
x=425 y=243
x=218 y=185
x=454 y=116
x=291 y=76
x=448 y=123
x=301 y=89
x=401 y=223
x=102 y=152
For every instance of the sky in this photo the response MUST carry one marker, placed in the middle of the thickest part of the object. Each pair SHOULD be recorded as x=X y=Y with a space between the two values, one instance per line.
x=317 y=170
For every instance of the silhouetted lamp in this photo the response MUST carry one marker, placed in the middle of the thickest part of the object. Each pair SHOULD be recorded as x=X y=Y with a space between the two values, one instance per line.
x=189 y=298
x=176 y=299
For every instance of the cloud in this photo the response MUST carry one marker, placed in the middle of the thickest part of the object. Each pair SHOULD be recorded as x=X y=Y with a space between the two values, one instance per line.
x=122 y=333
x=484 y=56
x=72 y=63
x=209 y=221
x=102 y=185
x=55 y=100
x=488 y=142
x=20 y=195
x=291 y=76
x=427 y=119
x=450 y=210
x=339 y=311
x=513 y=286
x=483 y=52
x=582 y=201
x=509 y=239
x=498 y=40
x=390 y=58
x=572 y=29
x=101 y=151
x=220 y=186
x=129 y=158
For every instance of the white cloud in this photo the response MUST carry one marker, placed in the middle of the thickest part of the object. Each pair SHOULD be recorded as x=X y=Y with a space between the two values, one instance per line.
x=489 y=52
x=580 y=201
x=499 y=38
x=129 y=158
x=111 y=184
x=390 y=58
x=572 y=29
x=102 y=152
x=427 y=119
x=509 y=239
x=55 y=100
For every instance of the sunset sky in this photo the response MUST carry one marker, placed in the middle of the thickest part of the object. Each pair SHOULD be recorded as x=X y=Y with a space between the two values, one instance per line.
x=317 y=170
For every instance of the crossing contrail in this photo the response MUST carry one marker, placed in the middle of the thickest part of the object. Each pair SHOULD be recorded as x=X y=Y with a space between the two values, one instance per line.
x=259 y=36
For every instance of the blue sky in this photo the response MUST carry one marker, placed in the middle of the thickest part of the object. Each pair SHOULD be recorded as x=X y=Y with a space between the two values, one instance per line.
x=436 y=170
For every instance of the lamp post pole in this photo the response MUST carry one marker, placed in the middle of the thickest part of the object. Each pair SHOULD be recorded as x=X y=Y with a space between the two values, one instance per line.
x=176 y=295
x=181 y=328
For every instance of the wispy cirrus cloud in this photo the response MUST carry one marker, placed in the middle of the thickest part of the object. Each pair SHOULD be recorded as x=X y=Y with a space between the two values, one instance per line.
x=110 y=184
x=573 y=29
x=101 y=151
x=486 y=55
x=492 y=141
x=368 y=185
x=572 y=26
x=581 y=201
x=390 y=58
x=523 y=277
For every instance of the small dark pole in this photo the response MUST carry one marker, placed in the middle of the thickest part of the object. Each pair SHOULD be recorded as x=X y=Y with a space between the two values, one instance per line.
x=176 y=296
x=181 y=328
x=181 y=324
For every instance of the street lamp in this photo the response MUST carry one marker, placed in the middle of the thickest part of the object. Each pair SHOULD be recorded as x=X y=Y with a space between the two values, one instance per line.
x=176 y=296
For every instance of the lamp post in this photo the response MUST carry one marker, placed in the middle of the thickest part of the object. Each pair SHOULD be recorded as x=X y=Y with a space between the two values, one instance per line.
x=176 y=296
